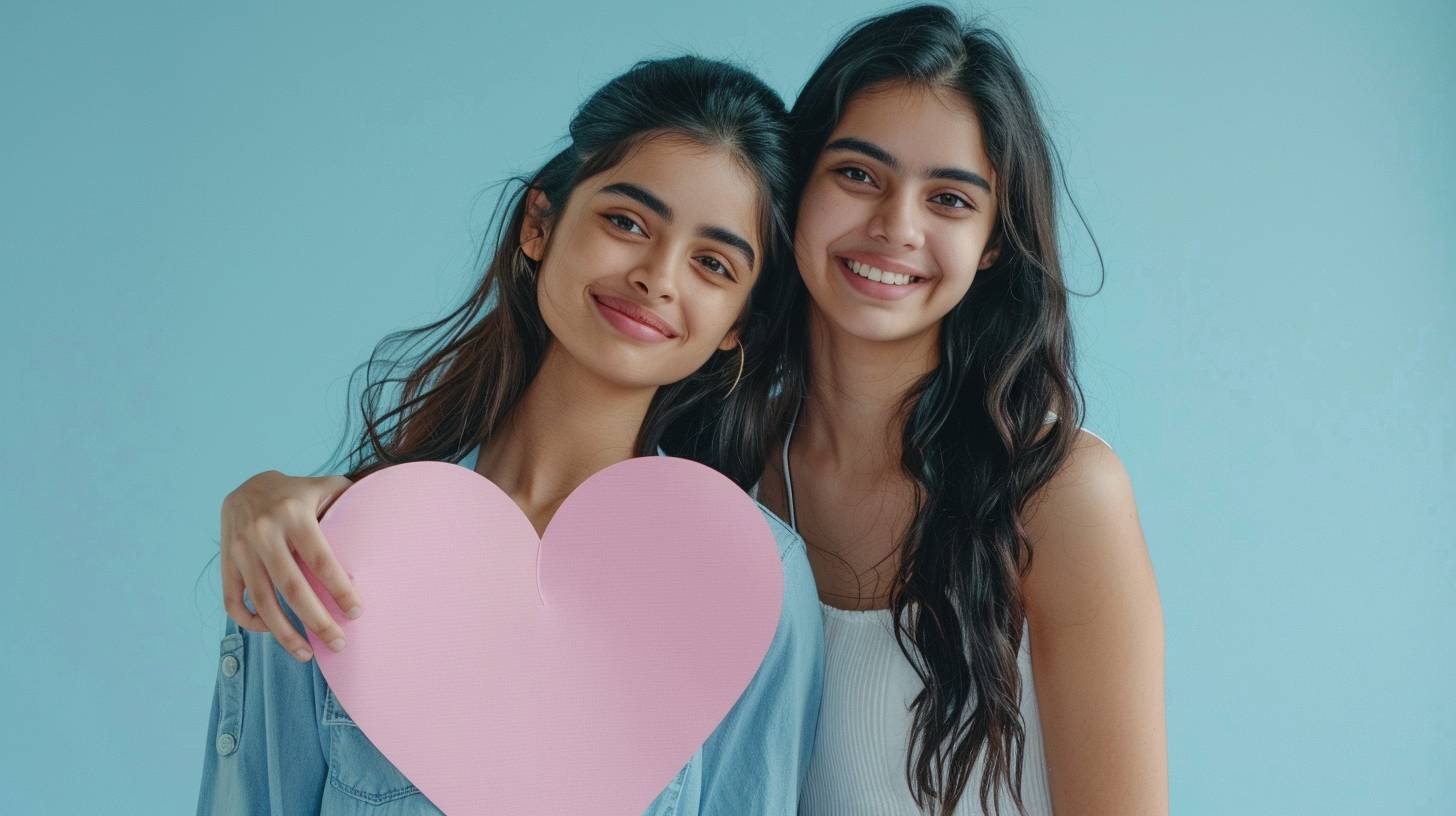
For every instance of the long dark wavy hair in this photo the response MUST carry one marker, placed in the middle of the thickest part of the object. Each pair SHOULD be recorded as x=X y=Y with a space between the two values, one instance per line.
x=434 y=392
x=973 y=441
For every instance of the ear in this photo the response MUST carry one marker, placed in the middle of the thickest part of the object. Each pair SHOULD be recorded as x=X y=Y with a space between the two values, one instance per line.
x=535 y=227
x=990 y=253
x=730 y=341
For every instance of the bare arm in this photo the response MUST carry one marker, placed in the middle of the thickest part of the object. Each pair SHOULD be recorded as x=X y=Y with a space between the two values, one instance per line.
x=265 y=522
x=1096 y=628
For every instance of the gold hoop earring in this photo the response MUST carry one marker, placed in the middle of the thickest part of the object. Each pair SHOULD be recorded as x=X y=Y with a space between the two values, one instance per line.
x=740 y=369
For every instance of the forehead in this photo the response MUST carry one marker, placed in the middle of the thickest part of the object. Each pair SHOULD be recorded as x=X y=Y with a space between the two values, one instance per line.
x=921 y=126
x=702 y=185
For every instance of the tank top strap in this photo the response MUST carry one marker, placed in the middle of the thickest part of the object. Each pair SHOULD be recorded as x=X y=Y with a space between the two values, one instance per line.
x=788 y=477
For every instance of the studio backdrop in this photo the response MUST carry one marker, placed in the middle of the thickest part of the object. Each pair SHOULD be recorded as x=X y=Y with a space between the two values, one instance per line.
x=209 y=213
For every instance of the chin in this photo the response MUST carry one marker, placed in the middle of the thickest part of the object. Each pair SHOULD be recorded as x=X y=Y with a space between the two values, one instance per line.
x=625 y=369
x=874 y=325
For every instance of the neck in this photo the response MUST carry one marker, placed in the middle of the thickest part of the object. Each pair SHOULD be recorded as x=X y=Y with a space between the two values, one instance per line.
x=569 y=424
x=851 y=415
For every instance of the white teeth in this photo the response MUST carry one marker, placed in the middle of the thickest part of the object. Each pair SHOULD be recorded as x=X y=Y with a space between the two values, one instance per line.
x=877 y=275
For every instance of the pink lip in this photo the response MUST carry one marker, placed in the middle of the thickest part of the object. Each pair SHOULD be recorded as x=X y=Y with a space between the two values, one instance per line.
x=880 y=291
x=633 y=320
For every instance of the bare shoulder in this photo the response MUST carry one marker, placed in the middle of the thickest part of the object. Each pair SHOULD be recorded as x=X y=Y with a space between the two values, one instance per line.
x=1091 y=488
x=1087 y=543
x=1096 y=629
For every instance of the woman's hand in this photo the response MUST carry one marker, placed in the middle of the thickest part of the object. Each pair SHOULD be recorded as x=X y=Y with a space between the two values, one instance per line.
x=265 y=521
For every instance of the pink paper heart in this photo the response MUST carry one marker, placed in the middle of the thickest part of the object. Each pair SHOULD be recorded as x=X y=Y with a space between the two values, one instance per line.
x=577 y=682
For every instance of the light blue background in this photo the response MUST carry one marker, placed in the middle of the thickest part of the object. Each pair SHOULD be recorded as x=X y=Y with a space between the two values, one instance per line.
x=209 y=214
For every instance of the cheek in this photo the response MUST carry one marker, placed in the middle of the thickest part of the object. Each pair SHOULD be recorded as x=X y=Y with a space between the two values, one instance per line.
x=553 y=280
x=551 y=302
x=561 y=281
x=956 y=256
x=711 y=312
x=573 y=263
x=825 y=215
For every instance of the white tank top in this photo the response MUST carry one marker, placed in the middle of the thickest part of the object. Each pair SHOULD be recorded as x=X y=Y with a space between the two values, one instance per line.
x=858 y=765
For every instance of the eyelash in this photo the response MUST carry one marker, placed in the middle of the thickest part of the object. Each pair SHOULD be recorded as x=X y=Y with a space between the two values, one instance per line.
x=963 y=205
x=617 y=220
x=723 y=269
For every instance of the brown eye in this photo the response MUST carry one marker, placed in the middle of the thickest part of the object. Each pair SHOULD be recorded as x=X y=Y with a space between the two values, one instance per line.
x=854 y=174
x=715 y=266
x=624 y=223
x=951 y=200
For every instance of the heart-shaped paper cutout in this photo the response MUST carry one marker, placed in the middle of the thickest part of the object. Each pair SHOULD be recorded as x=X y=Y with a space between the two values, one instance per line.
x=583 y=686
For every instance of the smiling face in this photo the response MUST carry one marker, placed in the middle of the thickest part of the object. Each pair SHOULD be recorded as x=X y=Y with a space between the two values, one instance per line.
x=895 y=219
x=648 y=267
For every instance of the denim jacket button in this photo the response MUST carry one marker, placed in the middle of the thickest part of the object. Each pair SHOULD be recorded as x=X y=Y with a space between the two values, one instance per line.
x=229 y=666
x=226 y=744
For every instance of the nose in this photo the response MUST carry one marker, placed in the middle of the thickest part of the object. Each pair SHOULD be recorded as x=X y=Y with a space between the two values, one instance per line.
x=655 y=277
x=896 y=222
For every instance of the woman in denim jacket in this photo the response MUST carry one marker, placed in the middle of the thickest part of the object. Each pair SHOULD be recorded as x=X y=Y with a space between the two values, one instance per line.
x=634 y=303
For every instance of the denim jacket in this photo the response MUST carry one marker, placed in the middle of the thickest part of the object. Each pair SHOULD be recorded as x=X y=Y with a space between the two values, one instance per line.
x=279 y=742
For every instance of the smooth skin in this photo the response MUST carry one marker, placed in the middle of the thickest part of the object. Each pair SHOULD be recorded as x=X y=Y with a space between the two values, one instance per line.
x=692 y=266
x=1093 y=610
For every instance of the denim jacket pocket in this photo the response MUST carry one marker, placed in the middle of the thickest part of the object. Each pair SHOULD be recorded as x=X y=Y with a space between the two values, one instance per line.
x=357 y=768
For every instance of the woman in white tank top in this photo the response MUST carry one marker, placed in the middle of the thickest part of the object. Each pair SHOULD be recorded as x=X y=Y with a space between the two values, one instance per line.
x=929 y=344
x=869 y=685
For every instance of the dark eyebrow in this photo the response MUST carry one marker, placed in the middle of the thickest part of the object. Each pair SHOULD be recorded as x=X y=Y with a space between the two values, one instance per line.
x=730 y=238
x=957 y=174
x=883 y=156
x=660 y=207
x=870 y=149
x=641 y=196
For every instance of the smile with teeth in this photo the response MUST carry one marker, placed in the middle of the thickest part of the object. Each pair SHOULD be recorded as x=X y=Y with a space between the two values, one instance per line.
x=880 y=275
